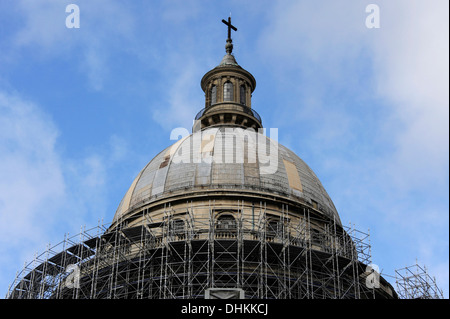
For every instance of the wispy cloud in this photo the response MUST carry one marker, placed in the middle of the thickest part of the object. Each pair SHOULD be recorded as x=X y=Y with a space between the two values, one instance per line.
x=32 y=186
x=31 y=180
x=412 y=72
x=102 y=23
x=44 y=195
x=183 y=97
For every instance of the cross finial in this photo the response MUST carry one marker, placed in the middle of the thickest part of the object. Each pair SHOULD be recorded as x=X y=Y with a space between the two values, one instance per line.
x=229 y=45
x=230 y=26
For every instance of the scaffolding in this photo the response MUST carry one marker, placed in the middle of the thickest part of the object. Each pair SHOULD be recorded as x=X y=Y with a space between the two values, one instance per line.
x=181 y=253
x=414 y=282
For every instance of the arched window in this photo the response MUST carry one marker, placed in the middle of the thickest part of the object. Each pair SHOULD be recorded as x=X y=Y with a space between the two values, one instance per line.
x=316 y=237
x=178 y=226
x=242 y=94
x=273 y=228
x=228 y=91
x=226 y=223
x=213 y=94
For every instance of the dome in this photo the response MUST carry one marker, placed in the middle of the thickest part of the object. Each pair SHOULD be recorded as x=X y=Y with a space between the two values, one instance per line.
x=227 y=158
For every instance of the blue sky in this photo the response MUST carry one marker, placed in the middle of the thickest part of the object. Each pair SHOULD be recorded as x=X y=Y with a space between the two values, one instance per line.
x=83 y=110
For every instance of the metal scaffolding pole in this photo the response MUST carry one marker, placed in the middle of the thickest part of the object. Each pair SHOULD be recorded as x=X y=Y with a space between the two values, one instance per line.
x=414 y=282
x=269 y=252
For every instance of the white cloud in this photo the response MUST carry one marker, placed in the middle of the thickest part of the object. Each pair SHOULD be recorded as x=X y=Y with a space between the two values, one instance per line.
x=183 y=98
x=43 y=25
x=90 y=181
x=94 y=66
x=31 y=180
x=43 y=195
x=32 y=186
x=102 y=23
x=412 y=73
x=408 y=63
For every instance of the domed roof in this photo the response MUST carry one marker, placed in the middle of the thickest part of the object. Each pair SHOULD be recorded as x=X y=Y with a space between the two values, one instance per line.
x=230 y=158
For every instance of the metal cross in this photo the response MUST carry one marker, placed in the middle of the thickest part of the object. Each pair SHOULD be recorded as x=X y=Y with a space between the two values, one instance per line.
x=230 y=26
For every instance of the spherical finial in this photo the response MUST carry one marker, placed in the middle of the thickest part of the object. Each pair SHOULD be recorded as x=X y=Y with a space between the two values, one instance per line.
x=229 y=46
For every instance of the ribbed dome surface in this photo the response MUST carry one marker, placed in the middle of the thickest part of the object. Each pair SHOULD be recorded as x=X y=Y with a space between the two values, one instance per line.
x=221 y=158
